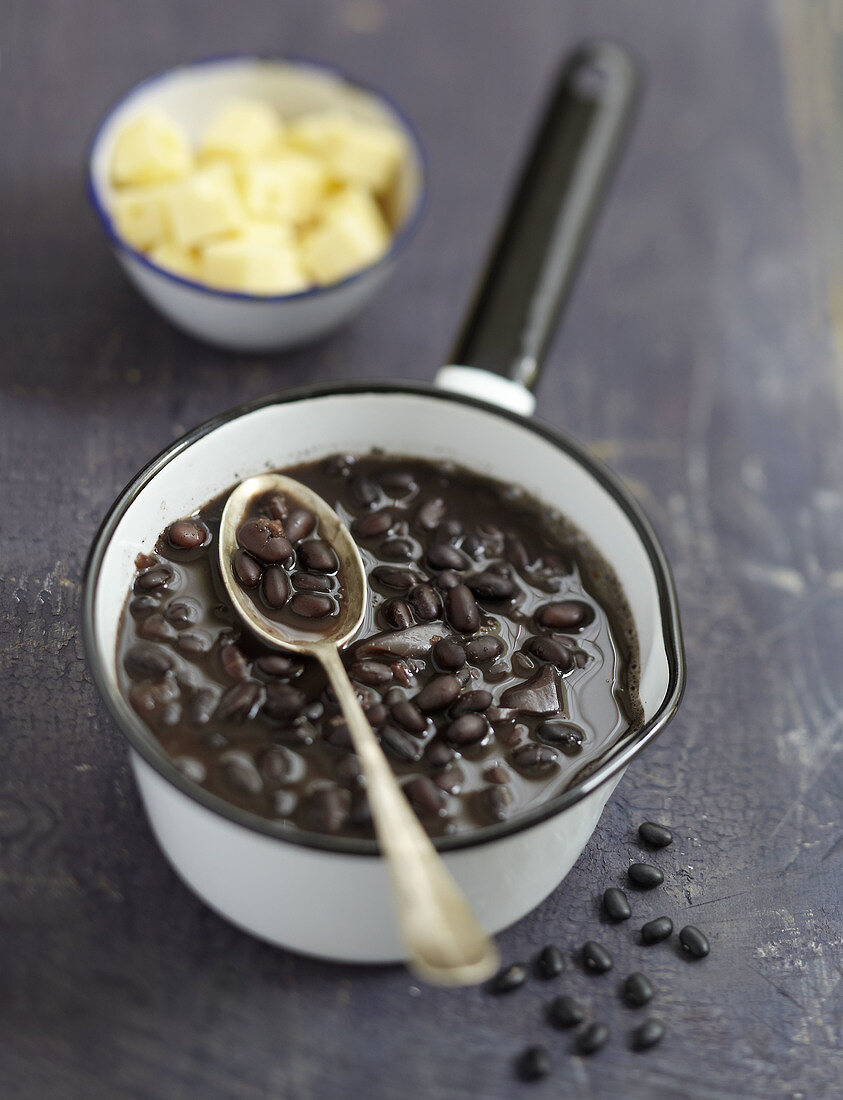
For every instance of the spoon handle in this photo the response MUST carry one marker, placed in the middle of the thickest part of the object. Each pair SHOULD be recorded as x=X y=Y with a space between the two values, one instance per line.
x=444 y=940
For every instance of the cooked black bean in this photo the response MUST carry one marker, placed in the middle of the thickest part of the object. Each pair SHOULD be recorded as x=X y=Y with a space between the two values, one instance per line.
x=276 y=586
x=449 y=655
x=397 y=549
x=694 y=942
x=265 y=540
x=495 y=803
x=349 y=770
x=337 y=733
x=277 y=765
x=448 y=579
x=638 y=990
x=400 y=744
x=399 y=483
x=151 y=699
x=234 y=662
x=144 y=605
x=442 y=555
x=552 y=651
x=461 y=609
x=649 y=1033
x=377 y=715
x=426 y=603
x=147 y=662
x=491 y=586
x=401 y=580
x=483 y=649
x=565 y=615
x=397 y=614
x=363 y=491
x=565 y=1012
x=192 y=769
x=654 y=931
x=371 y=673
x=533 y=1063
x=240 y=702
x=183 y=612
x=240 y=772
x=187 y=534
x=497 y=773
x=468 y=729
x=155 y=628
x=318 y=556
x=313 y=582
x=564 y=736
x=430 y=514
x=194 y=644
x=645 y=875
x=327 y=809
x=470 y=701
x=532 y=759
x=276 y=505
x=451 y=780
x=438 y=693
x=592 y=1038
x=657 y=836
x=509 y=978
x=280 y=665
x=283 y=700
x=550 y=962
x=372 y=525
x=312 y=605
x=283 y=803
x=409 y=716
x=246 y=569
x=299 y=524
x=438 y=754
x=595 y=957
x=522 y=665
x=425 y=797
x=202 y=706
x=156 y=578
x=615 y=904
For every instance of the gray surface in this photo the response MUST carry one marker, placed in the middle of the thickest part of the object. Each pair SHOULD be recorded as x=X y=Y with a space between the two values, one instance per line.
x=695 y=358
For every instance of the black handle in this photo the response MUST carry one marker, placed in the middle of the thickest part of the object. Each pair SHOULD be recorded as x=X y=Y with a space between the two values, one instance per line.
x=532 y=266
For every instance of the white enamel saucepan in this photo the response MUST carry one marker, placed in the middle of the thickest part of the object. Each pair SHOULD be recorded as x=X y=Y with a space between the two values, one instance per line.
x=330 y=896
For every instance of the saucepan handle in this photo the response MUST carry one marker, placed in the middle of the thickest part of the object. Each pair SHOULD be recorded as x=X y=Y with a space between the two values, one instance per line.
x=531 y=269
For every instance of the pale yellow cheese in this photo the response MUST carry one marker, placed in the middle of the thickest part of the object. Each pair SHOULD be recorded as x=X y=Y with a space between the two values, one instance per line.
x=243 y=128
x=151 y=148
x=205 y=205
x=286 y=188
x=181 y=261
x=364 y=153
x=140 y=214
x=252 y=264
x=351 y=234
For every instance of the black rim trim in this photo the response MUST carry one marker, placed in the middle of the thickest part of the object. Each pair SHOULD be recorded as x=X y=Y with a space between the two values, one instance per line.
x=616 y=758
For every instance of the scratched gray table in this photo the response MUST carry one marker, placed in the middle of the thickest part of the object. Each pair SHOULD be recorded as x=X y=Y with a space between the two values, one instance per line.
x=696 y=357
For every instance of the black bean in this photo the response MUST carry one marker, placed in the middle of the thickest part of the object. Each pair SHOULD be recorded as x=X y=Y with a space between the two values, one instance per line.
x=374 y=524
x=471 y=701
x=399 y=483
x=278 y=665
x=438 y=754
x=349 y=770
x=438 y=693
x=565 y=1012
x=495 y=803
x=592 y=1038
x=149 y=700
x=377 y=715
x=694 y=942
x=645 y=875
x=398 y=549
x=448 y=579
x=485 y=648
x=400 y=744
x=283 y=701
x=468 y=729
x=155 y=628
x=425 y=797
x=646 y=1035
x=147 y=662
x=550 y=962
x=657 y=836
x=491 y=586
x=565 y=615
x=234 y=662
x=202 y=706
x=283 y=803
x=496 y=773
x=246 y=569
x=516 y=552
x=450 y=529
x=194 y=644
x=397 y=614
x=461 y=609
x=451 y=780
x=276 y=505
x=144 y=605
x=312 y=605
x=240 y=702
x=313 y=582
x=277 y=765
x=474 y=546
x=363 y=491
x=191 y=769
x=442 y=555
x=533 y=1063
x=327 y=809
x=371 y=673
x=522 y=665
x=187 y=534
x=276 y=586
x=299 y=524
x=155 y=578
x=183 y=612
x=401 y=580
x=532 y=759
x=552 y=651
x=615 y=904
x=654 y=931
x=318 y=556
x=337 y=733
x=426 y=603
x=509 y=978
x=595 y=957
x=638 y=990
x=409 y=716
x=449 y=655
x=265 y=540
x=430 y=514
x=239 y=771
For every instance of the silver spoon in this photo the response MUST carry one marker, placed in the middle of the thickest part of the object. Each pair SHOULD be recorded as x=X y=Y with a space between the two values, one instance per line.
x=445 y=942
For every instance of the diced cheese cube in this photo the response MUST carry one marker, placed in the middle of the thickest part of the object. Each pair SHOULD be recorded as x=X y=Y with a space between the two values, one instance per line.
x=205 y=205
x=351 y=235
x=355 y=152
x=286 y=188
x=243 y=128
x=253 y=265
x=176 y=259
x=140 y=214
x=151 y=148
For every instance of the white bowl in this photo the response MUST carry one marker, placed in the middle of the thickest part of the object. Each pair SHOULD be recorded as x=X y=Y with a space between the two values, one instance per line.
x=330 y=896
x=192 y=94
